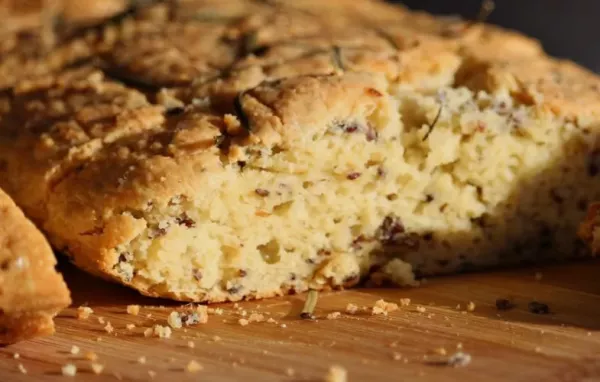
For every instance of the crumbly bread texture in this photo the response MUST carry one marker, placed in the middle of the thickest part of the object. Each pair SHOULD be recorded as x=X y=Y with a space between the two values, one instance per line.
x=214 y=151
x=31 y=291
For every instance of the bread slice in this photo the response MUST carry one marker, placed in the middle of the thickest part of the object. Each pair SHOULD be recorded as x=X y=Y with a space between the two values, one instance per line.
x=236 y=150
x=31 y=291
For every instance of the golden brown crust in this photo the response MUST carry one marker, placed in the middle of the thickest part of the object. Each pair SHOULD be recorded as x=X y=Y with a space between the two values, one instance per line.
x=31 y=291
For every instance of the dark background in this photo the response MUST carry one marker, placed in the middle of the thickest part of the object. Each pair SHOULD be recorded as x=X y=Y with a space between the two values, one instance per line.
x=567 y=28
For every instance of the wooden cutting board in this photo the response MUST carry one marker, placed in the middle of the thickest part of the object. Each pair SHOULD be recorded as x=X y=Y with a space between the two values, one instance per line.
x=513 y=345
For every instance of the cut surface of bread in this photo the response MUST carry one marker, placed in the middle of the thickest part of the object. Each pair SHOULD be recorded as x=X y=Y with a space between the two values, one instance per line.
x=31 y=291
x=217 y=151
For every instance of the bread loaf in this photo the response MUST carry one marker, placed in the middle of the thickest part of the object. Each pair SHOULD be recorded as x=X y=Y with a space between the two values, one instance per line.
x=215 y=151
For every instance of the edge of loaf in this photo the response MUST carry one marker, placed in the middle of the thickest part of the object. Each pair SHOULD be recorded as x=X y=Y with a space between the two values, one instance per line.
x=32 y=291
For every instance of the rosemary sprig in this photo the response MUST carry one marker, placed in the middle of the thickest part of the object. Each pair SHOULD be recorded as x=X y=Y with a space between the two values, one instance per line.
x=337 y=58
x=238 y=107
x=310 y=304
x=432 y=124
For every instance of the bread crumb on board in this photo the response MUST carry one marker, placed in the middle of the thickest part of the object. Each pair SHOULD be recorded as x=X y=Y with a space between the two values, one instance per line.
x=74 y=350
x=22 y=369
x=383 y=307
x=109 y=328
x=193 y=367
x=351 y=308
x=161 y=331
x=134 y=310
x=470 y=306
x=243 y=322
x=97 y=368
x=91 y=356
x=290 y=372
x=336 y=373
x=16 y=356
x=69 y=370
x=141 y=360
x=130 y=327
x=333 y=315
x=84 y=312
x=191 y=344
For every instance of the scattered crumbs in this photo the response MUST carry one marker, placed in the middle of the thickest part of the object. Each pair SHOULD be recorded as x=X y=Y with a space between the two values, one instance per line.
x=193 y=367
x=174 y=320
x=217 y=311
x=130 y=327
x=439 y=351
x=152 y=374
x=162 y=331
x=256 y=317
x=243 y=322
x=69 y=370
x=97 y=368
x=504 y=304
x=236 y=305
x=538 y=276
x=202 y=314
x=336 y=374
x=351 y=308
x=101 y=320
x=84 y=312
x=109 y=328
x=459 y=359
x=420 y=309
x=383 y=307
x=283 y=326
x=149 y=315
x=74 y=350
x=457 y=307
x=271 y=320
x=134 y=310
x=17 y=355
x=243 y=313
x=404 y=301
x=334 y=315
x=216 y=338
x=290 y=372
x=148 y=332
x=22 y=369
x=396 y=356
x=91 y=356
x=459 y=345
x=536 y=307
x=191 y=344
x=470 y=306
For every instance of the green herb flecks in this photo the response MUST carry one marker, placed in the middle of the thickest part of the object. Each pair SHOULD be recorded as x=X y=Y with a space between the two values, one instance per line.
x=432 y=124
x=238 y=107
x=310 y=304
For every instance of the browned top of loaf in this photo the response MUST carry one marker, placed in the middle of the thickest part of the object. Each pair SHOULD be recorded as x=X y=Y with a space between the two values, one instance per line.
x=151 y=105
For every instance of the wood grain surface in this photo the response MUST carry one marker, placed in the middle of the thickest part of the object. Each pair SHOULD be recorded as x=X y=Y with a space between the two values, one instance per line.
x=513 y=345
